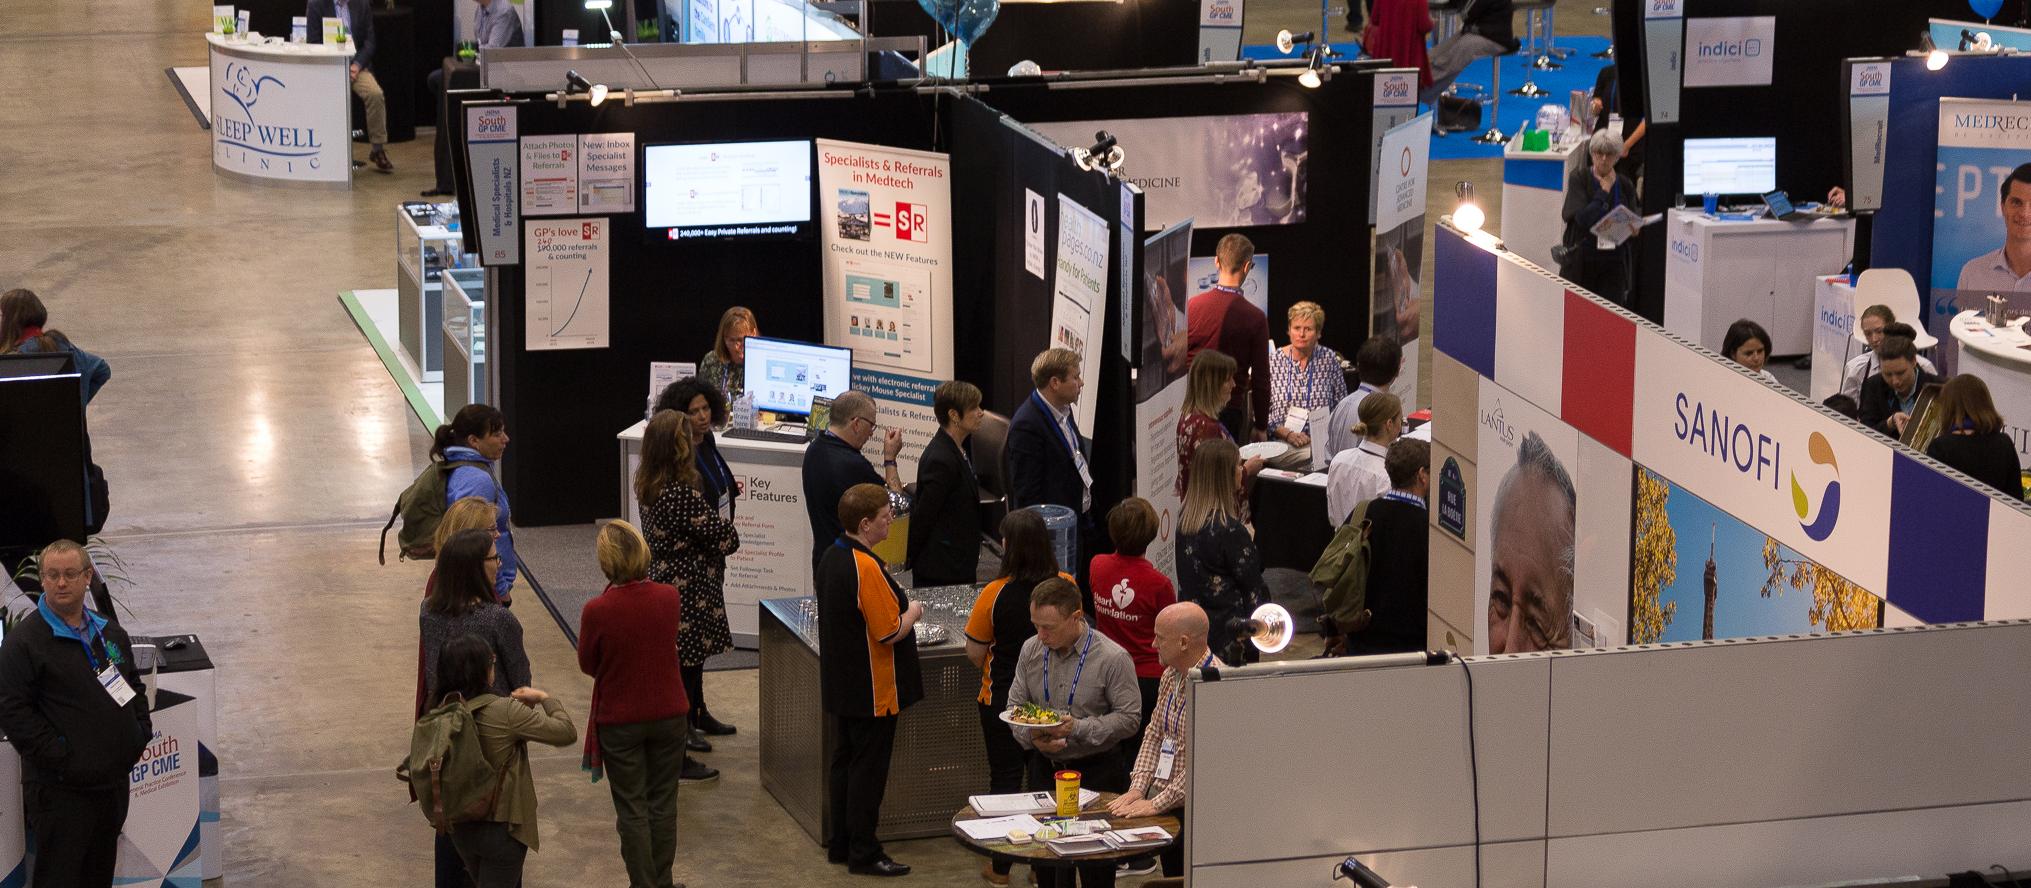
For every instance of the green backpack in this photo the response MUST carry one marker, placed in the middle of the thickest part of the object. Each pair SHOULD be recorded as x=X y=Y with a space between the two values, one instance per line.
x=1342 y=570
x=420 y=507
x=447 y=770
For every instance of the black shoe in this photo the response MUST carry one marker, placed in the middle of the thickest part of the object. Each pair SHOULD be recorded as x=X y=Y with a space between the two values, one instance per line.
x=696 y=742
x=705 y=722
x=882 y=867
x=695 y=771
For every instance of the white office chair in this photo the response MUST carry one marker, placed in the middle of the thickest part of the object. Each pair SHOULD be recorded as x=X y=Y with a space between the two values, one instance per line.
x=1895 y=288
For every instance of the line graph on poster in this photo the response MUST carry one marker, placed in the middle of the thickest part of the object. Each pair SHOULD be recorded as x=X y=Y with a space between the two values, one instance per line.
x=566 y=289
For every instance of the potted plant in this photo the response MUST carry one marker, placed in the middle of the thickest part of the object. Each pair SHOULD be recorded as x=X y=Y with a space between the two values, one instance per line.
x=26 y=583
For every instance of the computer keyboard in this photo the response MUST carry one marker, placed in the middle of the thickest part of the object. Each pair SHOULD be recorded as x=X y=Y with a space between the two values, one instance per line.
x=792 y=435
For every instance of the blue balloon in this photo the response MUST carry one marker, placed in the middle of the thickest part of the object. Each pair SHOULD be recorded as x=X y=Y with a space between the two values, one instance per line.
x=974 y=17
x=944 y=12
x=1985 y=8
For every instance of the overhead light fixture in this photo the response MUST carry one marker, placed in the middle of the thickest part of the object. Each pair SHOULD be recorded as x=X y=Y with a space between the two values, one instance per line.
x=1467 y=216
x=1287 y=41
x=601 y=6
x=575 y=82
x=1935 y=58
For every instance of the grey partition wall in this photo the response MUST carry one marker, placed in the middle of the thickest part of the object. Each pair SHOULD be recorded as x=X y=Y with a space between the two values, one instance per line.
x=1778 y=761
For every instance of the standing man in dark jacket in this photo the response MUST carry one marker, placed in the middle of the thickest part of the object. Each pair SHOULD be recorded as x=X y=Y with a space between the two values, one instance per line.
x=1398 y=542
x=944 y=544
x=1047 y=455
x=71 y=703
x=833 y=464
x=358 y=16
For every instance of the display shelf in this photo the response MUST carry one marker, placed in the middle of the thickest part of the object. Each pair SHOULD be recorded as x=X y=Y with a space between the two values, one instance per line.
x=464 y=335
x=427 y=241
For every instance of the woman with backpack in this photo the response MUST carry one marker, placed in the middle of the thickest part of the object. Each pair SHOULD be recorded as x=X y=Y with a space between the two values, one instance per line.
x=471 y=443
x=493 y=847
x=689 y=540
x=637 y=732
x=461 y=602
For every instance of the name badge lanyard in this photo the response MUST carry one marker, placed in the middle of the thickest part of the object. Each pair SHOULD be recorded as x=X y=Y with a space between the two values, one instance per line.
x=720 y=479
x=1072 y=694
x=1176 y=702
x=92 y=653
x=1070 y=448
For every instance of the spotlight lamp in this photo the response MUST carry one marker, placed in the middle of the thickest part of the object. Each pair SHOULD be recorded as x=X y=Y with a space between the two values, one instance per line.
x=1935 y=58
x=1467 y=216
x=1269 y=628
x=1105 y=155
x=1311 y=79
x=575 y=82
x=1287 y=41
x=1358 y=873
x=601 y=6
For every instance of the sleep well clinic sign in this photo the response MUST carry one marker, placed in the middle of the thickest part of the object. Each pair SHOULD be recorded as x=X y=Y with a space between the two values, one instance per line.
x=280 y=120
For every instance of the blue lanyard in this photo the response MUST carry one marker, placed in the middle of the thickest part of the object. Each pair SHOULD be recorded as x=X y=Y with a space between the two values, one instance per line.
x=711 y=468
x=1052 y=415
x=92 y=654
x=1175 y=704
x=1401 y=497
x=1072 y=694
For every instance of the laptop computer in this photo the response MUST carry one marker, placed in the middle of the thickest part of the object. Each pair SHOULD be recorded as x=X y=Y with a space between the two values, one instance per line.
x=1781 y=208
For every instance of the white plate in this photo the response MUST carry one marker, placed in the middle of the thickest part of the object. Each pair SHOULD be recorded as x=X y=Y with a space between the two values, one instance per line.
x=1005 y=718
x=1265 y=449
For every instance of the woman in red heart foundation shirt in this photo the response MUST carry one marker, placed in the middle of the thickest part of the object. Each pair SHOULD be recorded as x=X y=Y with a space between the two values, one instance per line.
x=1127 y=593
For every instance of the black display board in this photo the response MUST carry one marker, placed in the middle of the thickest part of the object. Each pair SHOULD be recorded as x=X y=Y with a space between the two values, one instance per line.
x=1803 y=106
x=1065 y=36
x=43 y=453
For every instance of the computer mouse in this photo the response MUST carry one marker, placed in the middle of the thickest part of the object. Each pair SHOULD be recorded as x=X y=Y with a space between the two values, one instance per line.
x=174 y=644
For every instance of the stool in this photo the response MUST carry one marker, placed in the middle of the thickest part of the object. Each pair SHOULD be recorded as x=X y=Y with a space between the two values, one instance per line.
x=1495 y=135
x=1533 y=19
x=1608 y=53
x=1551 y=47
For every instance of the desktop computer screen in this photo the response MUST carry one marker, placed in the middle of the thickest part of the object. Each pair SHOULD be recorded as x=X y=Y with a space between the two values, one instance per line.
x=1731 y=166
x=727 y=189
x=784 y=376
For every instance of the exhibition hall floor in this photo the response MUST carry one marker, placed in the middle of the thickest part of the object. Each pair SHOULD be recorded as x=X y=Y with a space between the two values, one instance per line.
x=254 y=444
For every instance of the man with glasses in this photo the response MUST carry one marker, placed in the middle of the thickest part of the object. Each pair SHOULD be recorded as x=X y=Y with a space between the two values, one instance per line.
x=833 y=463
x=71 y=703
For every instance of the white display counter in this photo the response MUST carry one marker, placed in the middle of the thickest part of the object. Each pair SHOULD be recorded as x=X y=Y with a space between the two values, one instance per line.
x=1717 y=272
x=1533 y=193
x=775 y=531
x=2001 y=356
x=281 y=112
x=1833 y=333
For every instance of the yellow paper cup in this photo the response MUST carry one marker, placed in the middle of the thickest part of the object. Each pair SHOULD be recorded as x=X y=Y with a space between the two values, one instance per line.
x=1068 y=793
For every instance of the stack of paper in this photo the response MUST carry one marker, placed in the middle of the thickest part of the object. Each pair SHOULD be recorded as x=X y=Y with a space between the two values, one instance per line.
x=1023 y=803
x=1141 y=837
x=997 y=828
x=1076 y=846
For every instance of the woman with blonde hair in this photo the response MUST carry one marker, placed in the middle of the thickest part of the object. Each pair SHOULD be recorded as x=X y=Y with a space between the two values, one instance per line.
x=1218 y=565
x=635 y=736
x=1305 y=381
x=1207 y=390
x=1971 y=437
x=725 y=366
x=1357 y=474
x=689 y=540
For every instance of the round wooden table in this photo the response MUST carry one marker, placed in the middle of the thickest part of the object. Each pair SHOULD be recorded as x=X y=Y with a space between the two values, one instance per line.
x=1036 y=853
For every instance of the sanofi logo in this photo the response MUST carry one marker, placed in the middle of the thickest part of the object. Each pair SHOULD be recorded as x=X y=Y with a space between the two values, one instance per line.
x=1747 y=48
x=1822 y=453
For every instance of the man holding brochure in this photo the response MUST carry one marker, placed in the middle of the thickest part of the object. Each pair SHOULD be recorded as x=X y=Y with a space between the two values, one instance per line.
x=1157 y=782
x=1088 y=682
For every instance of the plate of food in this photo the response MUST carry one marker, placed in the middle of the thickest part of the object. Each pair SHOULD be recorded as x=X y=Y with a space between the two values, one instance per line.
x=1265 y=449
x=1030 y=715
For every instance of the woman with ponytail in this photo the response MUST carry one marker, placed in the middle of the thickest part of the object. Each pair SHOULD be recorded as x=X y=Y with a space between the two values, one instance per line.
x=1357 y=474
x=473 y=441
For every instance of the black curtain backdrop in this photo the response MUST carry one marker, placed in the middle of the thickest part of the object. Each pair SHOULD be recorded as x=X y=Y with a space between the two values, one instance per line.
x=1804 y=106
x=1076 y=36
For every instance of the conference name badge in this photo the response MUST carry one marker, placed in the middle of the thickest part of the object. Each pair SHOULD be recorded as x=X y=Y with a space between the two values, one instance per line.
x=116 y=685
x=1166 y=757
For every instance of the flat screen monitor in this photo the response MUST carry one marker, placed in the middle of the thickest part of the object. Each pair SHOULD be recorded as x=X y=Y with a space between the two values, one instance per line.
x=786 y=376
x=1731 y=166
x=727 y=189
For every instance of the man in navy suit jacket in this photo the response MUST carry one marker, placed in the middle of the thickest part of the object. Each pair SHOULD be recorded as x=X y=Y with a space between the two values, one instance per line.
x=1047 y=456
x=359 y=19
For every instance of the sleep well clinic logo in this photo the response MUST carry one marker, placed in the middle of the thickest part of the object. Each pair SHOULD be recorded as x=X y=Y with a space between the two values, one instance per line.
x=268 y=120
x=1821 y=453
x=1734 y=51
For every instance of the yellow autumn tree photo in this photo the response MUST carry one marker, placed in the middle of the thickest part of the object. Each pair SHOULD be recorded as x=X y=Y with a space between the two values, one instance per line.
x=1654 y=566
x=1837 y=604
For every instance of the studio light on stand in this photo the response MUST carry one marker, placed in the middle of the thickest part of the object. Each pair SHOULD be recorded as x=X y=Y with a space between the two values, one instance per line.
x=1935 y=58
x=575 y=82
x=1467 y=216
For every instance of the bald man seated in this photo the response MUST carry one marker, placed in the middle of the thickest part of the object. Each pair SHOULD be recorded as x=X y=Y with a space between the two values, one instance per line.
x=1157 y=782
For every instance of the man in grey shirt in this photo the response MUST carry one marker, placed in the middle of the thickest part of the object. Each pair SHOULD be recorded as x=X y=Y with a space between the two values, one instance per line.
x=1089 y=681
x=2007 y=269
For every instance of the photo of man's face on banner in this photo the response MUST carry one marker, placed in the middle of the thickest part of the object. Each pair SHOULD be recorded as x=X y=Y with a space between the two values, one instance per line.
x=1981 y=229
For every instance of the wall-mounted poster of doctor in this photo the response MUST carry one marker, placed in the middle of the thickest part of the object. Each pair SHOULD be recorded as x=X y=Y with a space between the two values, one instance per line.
x=1981 y=228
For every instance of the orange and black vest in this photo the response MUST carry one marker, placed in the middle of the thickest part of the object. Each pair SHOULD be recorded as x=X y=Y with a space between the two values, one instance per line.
x=859 y=611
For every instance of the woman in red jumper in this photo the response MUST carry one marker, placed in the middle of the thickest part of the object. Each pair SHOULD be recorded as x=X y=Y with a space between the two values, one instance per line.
x=627 y=642
x=1396 y=31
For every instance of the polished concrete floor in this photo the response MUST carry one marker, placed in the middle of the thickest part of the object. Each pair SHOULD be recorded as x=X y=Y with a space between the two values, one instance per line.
x=254 y=444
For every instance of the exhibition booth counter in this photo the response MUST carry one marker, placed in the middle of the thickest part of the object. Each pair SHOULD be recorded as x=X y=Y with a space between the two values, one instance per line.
x=939 y=755
x=1533 y=193
x=2001 y=356
x=281 y=112
x=1719 y=271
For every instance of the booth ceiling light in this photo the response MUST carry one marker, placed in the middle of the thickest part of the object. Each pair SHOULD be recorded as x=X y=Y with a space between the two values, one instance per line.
x=1972 y=41
x=1357 y=872
x=1311 y=79
x=576 y=82
x=614 y=34
x=1467 y=216
x=1105 y=155
x=1287 y=41
x=1935 y=58
x=1270 y=628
